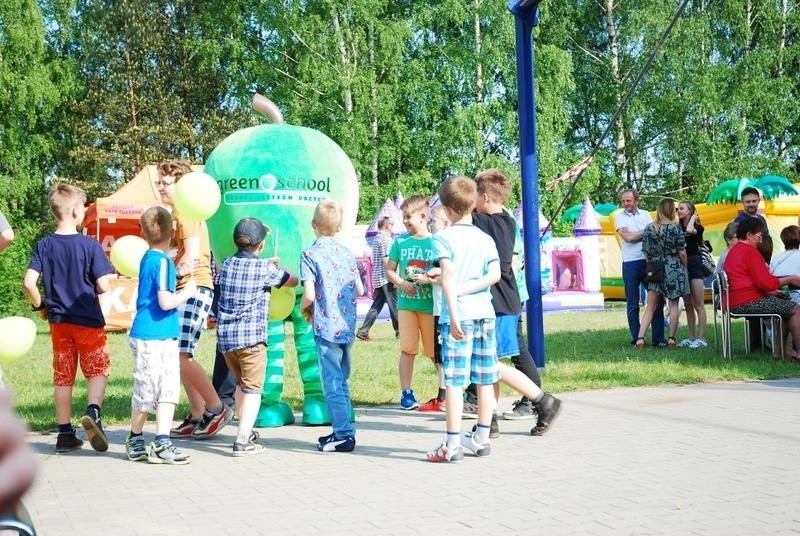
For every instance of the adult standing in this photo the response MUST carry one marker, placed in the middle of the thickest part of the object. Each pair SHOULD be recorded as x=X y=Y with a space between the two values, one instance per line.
x=695 y=305
x=663 y=240
x=383 y=292
x=630 y=225
x=193 y=261
x=6 y=232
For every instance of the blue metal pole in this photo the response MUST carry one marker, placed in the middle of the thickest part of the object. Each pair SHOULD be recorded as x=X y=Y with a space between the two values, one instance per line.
x=526 y=13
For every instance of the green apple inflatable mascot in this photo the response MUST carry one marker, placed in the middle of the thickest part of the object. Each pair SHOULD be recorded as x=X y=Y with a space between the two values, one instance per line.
x=278 y=173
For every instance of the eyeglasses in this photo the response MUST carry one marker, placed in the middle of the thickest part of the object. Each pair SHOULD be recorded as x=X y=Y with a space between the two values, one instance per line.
x=160 y=183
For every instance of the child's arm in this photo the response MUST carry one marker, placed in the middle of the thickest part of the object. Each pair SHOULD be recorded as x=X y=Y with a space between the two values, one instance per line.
x=169 y=300
x=103 y=284
x=31 y=289
x=451 y=298
x=307 y=301
x=491 y=277
x=191 y=247
x=359 y=286
x=406 y=286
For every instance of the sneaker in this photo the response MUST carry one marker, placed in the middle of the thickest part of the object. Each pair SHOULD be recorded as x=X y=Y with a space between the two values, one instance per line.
x=211 y=424
x=469 y=442
x=407 y=400
x=94 y=431
x=185 y=428
x=66 y=442
x=522 y=409
x=134 y=447
x=443 y=406
x=470 y=408
x=442 y=454
x=431 y=405
x=548 y=408
x=494 y=429
x=686 y=343
x=330 y=443
x=363 y=337
x=166 y=452
x=248 y=449
x=699 y=343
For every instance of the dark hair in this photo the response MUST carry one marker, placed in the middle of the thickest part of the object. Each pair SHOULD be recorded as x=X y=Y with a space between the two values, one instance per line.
x=749 y=225
x=748 y=191
x=790 y=236
x=765 y=248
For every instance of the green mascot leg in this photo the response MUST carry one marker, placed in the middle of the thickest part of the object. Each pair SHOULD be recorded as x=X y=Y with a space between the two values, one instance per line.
x=274 y=412
x=315 y=409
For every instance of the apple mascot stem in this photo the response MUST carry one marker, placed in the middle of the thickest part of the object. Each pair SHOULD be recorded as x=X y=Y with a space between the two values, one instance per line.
x=278 y=173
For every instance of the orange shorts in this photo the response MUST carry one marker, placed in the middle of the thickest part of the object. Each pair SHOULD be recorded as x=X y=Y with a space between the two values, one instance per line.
x=73 y=343
x=415 y=327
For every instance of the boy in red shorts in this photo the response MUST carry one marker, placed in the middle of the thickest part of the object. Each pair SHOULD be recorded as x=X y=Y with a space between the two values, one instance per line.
x=74 y=271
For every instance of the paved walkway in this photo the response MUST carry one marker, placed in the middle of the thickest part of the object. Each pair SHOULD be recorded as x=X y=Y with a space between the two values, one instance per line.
x=704 y=459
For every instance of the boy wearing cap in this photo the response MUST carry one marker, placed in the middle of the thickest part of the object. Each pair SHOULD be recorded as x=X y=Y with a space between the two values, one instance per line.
x=245 y=281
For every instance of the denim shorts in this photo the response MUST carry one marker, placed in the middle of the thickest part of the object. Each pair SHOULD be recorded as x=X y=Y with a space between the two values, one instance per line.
x=694 y=265
x=473 y=359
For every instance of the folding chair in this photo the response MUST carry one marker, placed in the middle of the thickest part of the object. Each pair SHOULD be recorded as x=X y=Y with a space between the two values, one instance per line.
x=727 y=350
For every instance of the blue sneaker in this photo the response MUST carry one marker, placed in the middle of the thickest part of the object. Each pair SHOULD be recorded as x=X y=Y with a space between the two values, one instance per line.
x=330 y=443
x=407 y=400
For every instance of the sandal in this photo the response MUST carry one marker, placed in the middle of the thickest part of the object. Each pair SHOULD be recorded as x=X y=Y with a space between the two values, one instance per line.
x=639 y=343
x=671 y=342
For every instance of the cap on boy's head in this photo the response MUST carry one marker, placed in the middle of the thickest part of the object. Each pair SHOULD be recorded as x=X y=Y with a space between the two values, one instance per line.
x=249 y=232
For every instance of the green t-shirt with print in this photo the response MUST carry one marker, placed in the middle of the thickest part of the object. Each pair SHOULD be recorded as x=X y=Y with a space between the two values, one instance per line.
x=413 y=256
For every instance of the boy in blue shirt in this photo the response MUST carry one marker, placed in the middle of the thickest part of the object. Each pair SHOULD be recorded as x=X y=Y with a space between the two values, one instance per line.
x=331 y=285
x=74 y=271
x=245 y=281
x=154 y=342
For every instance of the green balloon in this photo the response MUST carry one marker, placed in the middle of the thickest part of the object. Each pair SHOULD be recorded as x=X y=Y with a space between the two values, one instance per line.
x=278 y=173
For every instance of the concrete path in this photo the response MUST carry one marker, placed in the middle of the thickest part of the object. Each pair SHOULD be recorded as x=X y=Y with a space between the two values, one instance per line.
x=718 y=458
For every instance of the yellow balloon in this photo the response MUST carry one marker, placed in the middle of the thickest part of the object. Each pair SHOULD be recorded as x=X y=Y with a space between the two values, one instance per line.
x=17 y=335
x=197 y=196
x=127 y=253
x=281 y=303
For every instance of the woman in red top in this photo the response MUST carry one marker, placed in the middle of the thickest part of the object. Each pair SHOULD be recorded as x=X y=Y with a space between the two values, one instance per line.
x=753 y=289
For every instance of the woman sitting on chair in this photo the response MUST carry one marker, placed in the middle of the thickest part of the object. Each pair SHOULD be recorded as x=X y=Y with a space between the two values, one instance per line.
x=753 y=289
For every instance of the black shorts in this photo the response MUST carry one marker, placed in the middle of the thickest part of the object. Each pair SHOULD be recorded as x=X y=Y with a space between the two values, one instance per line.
x=695 y=267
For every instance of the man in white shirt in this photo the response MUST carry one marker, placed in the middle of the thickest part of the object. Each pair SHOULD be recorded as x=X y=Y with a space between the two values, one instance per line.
x=630 y=224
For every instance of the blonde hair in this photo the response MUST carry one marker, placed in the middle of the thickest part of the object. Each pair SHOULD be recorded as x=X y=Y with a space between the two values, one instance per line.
x=328 y=217
x=458 y=193
x=495 y=184
x=665 y=214
x=64 y=198
x=174 y=168
x=156 y=224
x=416 y=203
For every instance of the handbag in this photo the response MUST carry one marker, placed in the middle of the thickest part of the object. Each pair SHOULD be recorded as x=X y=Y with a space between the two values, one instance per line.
x=655 y=271
x=709 y=267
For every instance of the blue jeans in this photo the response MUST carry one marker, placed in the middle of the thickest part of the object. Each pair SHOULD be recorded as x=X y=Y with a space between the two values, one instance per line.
x=334 y=366
x=633 y=274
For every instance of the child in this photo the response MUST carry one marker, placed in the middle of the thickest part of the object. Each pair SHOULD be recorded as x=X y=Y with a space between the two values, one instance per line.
x=208 y=415
x=438 y=222
x=410 y=257
x=74 y=270
x=154 y=342
x=469 y=263
x=245 y=281
x=331 y=285
x=490 y=216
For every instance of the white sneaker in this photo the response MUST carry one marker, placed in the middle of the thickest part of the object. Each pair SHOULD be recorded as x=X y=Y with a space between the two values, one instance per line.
x=686 y=343
x=698 y=343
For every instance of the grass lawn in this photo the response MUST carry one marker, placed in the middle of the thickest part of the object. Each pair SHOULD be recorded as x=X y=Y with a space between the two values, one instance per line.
x=585 y=350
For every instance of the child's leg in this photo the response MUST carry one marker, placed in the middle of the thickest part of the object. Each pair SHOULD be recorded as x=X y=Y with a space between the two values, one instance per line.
x=247 y=406
x=486 y=407
x=96 y=390
x=138 y=418
x=406 y=369
x=198 y=387
x=65 y=366
x=63 y=401
x=334 y=364
x=454 y=409
x=519 y=382
x=409 y=347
